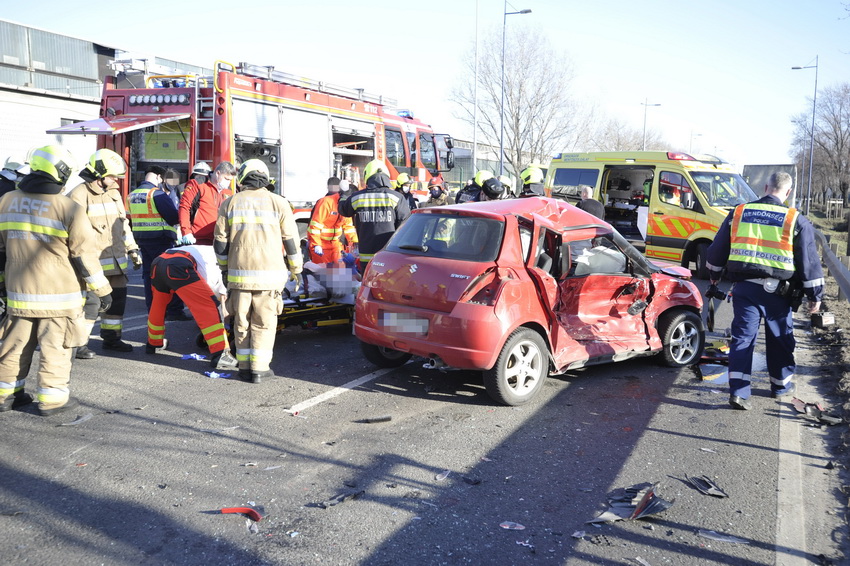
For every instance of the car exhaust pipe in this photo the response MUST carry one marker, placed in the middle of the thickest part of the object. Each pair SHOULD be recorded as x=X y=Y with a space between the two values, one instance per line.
x=434 y=363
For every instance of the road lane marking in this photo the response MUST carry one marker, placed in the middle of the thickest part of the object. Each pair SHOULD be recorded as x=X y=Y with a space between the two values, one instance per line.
x=336 y=391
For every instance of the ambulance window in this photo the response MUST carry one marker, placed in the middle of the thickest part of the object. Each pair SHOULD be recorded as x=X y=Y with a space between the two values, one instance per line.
x=671 y=186
x=411 y=143
x=395 y=148
x=567 y=181
x=428 y=153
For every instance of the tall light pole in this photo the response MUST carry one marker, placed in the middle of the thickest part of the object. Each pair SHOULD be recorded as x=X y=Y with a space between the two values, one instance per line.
x=691 y=145
x=502 y=108
x=475 y=98
x=645 y=105
x=812 y=142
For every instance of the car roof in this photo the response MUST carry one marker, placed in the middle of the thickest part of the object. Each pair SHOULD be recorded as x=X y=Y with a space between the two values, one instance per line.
x=557 y=212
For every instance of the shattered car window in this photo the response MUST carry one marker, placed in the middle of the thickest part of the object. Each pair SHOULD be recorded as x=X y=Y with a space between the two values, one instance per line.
x=449 y=236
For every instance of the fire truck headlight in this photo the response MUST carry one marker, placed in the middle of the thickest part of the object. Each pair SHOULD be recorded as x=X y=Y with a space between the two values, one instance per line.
x=168 y=99
x=132 y=99
x=160 y=99
x=146 y=99
x=182 y=99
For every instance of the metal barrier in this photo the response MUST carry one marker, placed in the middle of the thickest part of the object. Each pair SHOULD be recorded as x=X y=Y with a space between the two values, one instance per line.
x=836 y=268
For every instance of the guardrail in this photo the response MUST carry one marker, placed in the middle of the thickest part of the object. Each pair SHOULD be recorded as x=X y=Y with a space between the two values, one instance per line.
x=836 y=268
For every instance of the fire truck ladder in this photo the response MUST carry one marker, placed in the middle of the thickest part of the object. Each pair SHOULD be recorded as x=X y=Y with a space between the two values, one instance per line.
x=203 y=117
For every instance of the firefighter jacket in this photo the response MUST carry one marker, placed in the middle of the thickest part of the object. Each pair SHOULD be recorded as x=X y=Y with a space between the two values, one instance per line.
x=254 y=231
x=327 y=225
x=47 y=252
x=113 y=237
x=377 y=211
x=152 y=213
x=765 y=238
x=199 y=206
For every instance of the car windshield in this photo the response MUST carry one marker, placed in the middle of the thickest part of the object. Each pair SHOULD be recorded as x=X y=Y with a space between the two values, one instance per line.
x=464 y=238
x=723 y=189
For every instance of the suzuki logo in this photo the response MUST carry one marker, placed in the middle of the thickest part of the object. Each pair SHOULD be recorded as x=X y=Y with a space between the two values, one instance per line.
x=413 y=268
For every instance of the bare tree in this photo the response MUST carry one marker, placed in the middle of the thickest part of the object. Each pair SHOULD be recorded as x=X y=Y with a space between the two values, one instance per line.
x=541 y=116
x=614 y=135
x=831 y=170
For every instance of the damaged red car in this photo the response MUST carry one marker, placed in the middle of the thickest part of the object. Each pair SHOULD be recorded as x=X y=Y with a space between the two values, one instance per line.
x=520 y=289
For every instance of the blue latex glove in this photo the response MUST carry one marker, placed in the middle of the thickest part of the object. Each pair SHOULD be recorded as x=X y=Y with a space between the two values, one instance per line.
x=187 y=240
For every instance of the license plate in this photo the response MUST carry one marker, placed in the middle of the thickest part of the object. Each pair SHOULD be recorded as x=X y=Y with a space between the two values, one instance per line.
x=404 y=323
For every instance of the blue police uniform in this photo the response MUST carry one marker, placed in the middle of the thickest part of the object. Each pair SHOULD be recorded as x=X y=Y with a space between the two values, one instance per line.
x=750 y=266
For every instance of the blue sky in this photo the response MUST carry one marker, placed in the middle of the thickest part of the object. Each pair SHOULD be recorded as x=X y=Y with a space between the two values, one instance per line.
x=720 y=70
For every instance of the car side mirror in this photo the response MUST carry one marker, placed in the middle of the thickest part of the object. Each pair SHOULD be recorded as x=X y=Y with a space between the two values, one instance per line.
x=450 y=160
x=687 y=200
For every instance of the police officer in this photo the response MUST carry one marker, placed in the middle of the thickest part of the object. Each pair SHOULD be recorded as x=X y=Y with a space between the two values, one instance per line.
x=473 y=191
x=48 y=259
x=100 y=197
x=767 y=250
x=254 y=232
x=377 y=210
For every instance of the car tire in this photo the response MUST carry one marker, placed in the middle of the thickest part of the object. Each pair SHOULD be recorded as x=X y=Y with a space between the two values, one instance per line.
x=682 y=338
x=520 y=369
x=384 y=357
x=700 y=255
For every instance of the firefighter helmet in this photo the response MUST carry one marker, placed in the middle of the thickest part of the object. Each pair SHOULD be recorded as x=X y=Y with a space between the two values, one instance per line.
x=105 y=162
x=402 y=180
x=482 y=176
x=374 y=166
x=16 y=164
x=201 y=168
x=53 y=161
x=253 y=172
x=506 y=182
x=435 y=181
x=531 y=174
x=493 y=189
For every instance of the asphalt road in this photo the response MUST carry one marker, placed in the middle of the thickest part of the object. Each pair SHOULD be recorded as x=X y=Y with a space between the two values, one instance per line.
x=166 y=447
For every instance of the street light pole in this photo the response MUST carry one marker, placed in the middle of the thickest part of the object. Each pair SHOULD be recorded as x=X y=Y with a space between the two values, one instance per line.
x=475 y=97
x=812 y=142
x=502 y=108
x=645 y=105
x=691 y=145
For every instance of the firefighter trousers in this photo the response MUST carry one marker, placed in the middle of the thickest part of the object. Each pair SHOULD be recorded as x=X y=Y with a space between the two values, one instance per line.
x=57 y=338
x=750 y=304
x=176 y=274
x=112 y=321
x=150 y=250
x=254 y=326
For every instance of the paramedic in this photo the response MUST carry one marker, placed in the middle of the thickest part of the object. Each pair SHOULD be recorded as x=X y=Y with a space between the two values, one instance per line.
x=199 y=205
x=327 y=226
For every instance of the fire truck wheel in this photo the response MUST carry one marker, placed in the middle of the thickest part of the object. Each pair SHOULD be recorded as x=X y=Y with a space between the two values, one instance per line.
x=682 y=337
x=384 y=357
x=520 y=369
x=700 y=253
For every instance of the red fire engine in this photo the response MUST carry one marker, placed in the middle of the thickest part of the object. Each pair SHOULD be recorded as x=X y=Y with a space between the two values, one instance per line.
x=304 y=130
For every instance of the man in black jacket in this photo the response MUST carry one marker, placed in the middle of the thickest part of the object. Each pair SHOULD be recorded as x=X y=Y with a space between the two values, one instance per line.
x=590 y=204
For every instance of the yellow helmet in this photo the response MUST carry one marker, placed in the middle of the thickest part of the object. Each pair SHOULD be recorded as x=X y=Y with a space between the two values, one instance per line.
x=482 y=176
x=254 y=169
x=106 y=162
x=531 y=174
x=402 y=179
x=506 y=182
x=374 y=166
x=53 y=161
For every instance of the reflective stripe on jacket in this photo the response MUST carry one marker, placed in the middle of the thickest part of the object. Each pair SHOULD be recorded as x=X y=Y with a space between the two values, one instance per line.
x=113 y=236
x=144 y=214
x=327 y=225
x=762 y=236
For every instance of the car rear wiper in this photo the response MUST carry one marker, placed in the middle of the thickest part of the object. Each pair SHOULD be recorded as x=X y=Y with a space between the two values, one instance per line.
x=413 y=247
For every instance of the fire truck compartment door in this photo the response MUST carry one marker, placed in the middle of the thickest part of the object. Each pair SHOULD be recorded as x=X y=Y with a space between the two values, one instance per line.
x=353 y=127
x=115 y=125
x=306 y=148
x=254 y=119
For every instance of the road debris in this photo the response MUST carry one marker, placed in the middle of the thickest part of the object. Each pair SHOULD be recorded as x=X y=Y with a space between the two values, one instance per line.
x=706 y=486
x=641 y=561
x=78 y=420
x=711 y=372
x=249 y=512
x=709 y=450
x=249 y=464
x=217 y=375
x=526 y=543
x=442 y=475
x=815 y=411
x=714 y=535
x=511 y=526
x=194 y=357
x=633 y=502
x=344 y=496
x=383 y=419
x=271 y=468
x=471 y=480
x=579 y=534
x=217 y=430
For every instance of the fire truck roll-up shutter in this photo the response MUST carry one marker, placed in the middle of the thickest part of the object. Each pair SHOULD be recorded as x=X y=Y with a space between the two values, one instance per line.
x=252 y=119
x=306 y=155
x=353 y=127
x=115 y=125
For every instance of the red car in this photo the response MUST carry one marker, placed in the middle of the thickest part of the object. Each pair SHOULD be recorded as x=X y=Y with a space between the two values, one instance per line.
x=520 y=289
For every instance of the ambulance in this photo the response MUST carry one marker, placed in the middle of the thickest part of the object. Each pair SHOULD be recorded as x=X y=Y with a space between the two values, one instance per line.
x=671 y=202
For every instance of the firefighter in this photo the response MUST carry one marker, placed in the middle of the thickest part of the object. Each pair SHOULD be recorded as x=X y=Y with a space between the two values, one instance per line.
x=100 y=197
x=327 y=226
x=13 y=171
x=402 y=185
x=252 y=226
x=473 y=191
x=192 y=273
x=199 y=205
x=492 y=189
x=508 y=185
x=153 y=216
x=532 y=181
x=768 y=250
x=437 y=194
x=49 y=258
x=377 y=211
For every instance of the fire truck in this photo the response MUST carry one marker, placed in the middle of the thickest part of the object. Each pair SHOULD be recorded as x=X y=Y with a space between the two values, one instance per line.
x=304 y=130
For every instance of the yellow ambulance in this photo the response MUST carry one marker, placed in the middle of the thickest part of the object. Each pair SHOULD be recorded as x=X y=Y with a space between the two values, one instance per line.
x=671 y=201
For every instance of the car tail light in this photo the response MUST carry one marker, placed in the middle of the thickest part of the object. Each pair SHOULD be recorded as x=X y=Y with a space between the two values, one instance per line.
x=484 y=289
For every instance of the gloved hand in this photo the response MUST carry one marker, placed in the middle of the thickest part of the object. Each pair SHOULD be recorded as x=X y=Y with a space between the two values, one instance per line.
x=136 y=258
x=293 y=277
x=105 y=303
x=2 y=290
x=318 y=250
x=188 y=240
